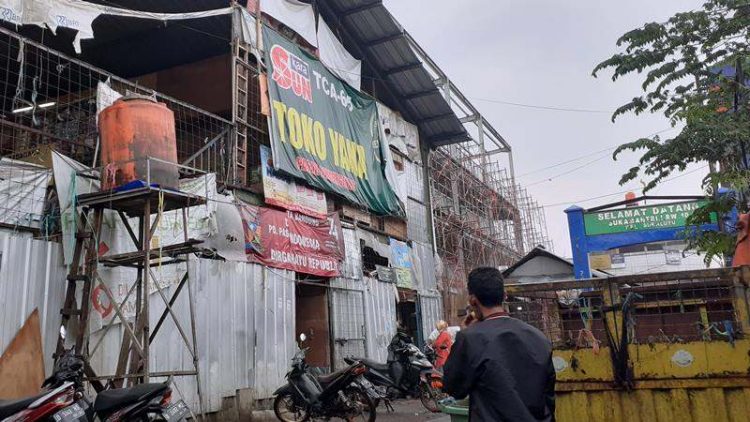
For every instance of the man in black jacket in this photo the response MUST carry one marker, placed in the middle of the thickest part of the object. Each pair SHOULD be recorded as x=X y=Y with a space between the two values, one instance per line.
x=502 y=363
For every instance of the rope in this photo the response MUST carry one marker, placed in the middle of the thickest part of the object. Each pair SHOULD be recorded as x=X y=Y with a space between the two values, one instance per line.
x=73 y=208
x=161 y=233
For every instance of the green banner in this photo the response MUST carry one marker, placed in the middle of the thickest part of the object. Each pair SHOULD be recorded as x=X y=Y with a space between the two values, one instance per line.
x=324 y=131
x=640 y=218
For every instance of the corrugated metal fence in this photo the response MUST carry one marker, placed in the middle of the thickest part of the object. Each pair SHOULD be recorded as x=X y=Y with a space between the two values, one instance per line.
x=32 y=276
x=431 y=310
x=245 y=331
x=380 y=310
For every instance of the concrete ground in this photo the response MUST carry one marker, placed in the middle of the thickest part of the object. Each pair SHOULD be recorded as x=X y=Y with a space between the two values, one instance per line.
x=404 y=410
x=411 y=410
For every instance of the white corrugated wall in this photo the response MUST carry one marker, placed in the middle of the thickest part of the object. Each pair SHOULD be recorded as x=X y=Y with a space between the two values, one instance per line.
x=245 y=330
x=431 y=310
x=380 y=314
x=32 y=276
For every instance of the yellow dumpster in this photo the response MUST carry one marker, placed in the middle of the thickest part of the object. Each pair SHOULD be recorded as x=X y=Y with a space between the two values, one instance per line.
x=655 y=347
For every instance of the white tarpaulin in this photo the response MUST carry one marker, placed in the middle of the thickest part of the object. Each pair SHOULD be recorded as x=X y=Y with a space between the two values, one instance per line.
x=79 y=15
x=68 y=186
x=336 y=58
x=23 y=188
x=12 y=11
x=247 y=28
x=69 y=14
x=298 y=16
x=105 y=96
x=399 y=133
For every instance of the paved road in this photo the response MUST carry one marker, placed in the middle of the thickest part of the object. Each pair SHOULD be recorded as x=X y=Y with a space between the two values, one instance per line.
x=411 y=410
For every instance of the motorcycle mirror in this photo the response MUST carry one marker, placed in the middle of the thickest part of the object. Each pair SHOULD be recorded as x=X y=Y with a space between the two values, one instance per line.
x=302 y=337
x=63 y=332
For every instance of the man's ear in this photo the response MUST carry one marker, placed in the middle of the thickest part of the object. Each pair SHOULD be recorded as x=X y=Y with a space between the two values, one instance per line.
x=473 y=302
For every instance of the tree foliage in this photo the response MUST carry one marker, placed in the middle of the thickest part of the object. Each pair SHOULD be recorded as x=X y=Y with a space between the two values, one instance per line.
x=694 y=68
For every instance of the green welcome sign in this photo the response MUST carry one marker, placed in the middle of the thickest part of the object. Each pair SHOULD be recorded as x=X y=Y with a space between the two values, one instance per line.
x=323 y=130
x=640 y=218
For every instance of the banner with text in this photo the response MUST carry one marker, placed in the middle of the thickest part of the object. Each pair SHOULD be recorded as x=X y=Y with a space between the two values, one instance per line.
x=650 y=217
x=287 y=194
x=323 y=130
x=293 y=241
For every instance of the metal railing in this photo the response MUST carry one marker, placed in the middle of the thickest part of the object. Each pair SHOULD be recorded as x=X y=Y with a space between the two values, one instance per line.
x=675 y=307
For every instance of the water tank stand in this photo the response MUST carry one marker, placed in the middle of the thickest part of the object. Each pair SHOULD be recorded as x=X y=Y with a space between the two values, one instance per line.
x=141 y=203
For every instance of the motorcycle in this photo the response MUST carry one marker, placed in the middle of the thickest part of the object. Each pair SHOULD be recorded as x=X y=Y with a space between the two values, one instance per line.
x=342 y=394
x=142 y=402
x=430 y=353
x=64 y=399
x=408 y=374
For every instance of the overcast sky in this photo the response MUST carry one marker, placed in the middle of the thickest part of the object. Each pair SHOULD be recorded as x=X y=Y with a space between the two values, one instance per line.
x=541 y=52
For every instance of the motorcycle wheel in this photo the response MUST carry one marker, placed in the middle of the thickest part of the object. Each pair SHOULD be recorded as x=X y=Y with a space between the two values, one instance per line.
x=288 y=411
x=367 y=410
x=429 y=397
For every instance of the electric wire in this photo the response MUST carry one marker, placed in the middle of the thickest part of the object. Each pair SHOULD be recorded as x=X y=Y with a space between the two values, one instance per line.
x=557 y=204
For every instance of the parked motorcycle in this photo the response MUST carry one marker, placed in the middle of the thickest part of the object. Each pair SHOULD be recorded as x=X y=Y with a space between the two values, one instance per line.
x=64 y=400
x=342 y=394
x=430 y=353
x=408 y=373
x=62 y=397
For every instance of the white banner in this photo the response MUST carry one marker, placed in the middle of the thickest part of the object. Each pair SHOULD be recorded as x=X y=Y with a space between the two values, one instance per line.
x=298 y=16
x=336 y=58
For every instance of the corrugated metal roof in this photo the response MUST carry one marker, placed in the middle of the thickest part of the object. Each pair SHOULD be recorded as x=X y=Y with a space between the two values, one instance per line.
x=385 y=45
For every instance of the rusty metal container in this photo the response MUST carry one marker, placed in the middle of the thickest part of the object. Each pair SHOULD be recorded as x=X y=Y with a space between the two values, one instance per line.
x=132 y=129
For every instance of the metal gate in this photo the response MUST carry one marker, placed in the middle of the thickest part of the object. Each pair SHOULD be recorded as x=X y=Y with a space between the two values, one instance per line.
x=348 y=325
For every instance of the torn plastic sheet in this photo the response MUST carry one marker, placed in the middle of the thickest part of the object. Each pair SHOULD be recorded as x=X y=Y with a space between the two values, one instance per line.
x=23 y=190
x=105 y=96
x=80 y=15
x=298 y=16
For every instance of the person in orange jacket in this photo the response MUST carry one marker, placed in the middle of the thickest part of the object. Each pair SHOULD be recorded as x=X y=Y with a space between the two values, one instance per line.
x=442 y=344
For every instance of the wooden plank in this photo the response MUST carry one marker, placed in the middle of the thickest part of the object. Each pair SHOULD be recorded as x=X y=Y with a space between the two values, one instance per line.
x=24 y=352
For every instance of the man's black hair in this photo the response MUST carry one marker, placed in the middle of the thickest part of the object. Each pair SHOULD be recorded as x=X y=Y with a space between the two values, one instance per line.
x=486 y=283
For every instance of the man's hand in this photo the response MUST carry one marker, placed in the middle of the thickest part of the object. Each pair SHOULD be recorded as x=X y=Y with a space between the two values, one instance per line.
x=469 y=320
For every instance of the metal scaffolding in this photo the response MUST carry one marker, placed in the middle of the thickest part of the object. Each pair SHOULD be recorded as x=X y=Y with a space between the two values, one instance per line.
x=533 y=221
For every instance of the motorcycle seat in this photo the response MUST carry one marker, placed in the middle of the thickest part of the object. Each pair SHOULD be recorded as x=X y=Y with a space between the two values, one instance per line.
x=10 y=407
x=119 y=397
x=329 y=378
x=383 y=367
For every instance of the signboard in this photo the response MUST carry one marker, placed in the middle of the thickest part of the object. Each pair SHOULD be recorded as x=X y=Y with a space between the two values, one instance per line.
x=640 y=218
x=287 y=194
x=618 y=261
x=401 y=263
x=674 y=257
x=600 y=261
x=323 y=130
x=293 y=241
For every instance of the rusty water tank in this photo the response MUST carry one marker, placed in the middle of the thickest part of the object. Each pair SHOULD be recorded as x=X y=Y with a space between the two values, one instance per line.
x=132 y=129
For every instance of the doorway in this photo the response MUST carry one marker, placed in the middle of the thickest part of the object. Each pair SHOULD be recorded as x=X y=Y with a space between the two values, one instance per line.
x=312 y=320
x=406 y=315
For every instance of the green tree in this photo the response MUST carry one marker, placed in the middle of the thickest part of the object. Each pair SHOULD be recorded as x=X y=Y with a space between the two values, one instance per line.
x=693 y=67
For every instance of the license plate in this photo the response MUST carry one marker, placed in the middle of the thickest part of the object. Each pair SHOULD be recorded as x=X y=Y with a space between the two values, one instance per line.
x=72 y=413
x=176 y=411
